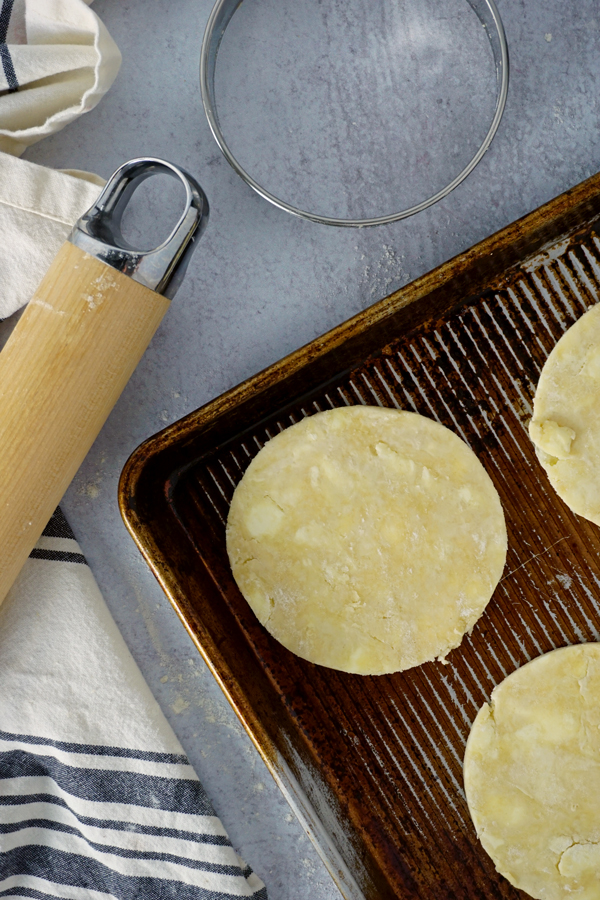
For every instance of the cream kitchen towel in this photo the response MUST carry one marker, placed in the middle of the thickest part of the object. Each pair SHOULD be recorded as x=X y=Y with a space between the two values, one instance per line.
x=38 y=207
x=97 y=798
x=57 y=61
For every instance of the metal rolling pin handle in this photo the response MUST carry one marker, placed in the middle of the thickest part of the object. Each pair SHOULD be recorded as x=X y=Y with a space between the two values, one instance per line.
x=76 y=346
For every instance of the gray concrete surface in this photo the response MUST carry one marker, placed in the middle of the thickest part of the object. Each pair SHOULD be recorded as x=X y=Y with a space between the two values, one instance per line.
x=263 y=283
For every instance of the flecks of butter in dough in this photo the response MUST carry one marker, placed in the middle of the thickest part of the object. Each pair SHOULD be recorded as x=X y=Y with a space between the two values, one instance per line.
x=591 y=366
x=554 y=439
x=263 y=518
x=311 y=534
x=579 y=860
x=545 y=459
x=259 y=599
x=401 y=463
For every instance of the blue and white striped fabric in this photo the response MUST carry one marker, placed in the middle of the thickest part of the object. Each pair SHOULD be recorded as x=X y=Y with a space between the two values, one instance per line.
x=121 y=815
x=8 y=68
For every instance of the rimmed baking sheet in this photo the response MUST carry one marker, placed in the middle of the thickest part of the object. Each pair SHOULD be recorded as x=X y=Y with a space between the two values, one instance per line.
x=373 y=766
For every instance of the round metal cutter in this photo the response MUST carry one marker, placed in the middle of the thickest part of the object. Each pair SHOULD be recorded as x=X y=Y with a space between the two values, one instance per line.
x=220 y=18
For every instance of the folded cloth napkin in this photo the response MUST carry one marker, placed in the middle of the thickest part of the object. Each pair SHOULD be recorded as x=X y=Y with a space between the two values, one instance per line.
x=38 y=207
x=97 y=799
x=57 y=60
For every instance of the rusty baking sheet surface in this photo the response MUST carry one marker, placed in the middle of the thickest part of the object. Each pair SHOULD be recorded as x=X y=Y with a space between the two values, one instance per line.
x=373 y=765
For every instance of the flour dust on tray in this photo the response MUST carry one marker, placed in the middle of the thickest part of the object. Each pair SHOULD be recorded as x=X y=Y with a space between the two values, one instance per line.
x=532 y=775
x=565 y=427
x=366 y=539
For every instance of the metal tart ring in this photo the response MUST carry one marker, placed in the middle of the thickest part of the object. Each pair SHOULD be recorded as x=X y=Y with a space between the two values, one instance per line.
x=218 y=21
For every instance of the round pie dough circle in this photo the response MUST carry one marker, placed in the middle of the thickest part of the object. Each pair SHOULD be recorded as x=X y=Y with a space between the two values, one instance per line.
x=565 y=426
x=368 y=540
x=532 y=775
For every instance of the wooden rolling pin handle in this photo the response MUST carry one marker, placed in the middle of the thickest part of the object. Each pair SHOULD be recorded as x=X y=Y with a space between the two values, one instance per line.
x=74 y=349
x=61 y=372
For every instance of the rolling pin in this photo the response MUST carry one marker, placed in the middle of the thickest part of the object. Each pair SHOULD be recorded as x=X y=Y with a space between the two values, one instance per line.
x=74 y=349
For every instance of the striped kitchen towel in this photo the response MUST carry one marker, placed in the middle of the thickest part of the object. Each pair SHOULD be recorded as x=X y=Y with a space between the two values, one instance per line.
x=97 y=799
x=57 y=60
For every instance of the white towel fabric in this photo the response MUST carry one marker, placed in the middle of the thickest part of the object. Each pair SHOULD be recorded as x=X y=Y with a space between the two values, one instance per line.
x=57 y=61
x=97 y=799
x=38 y=207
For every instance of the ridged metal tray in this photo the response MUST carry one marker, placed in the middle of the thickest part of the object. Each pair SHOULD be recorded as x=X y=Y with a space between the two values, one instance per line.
x=373 y=766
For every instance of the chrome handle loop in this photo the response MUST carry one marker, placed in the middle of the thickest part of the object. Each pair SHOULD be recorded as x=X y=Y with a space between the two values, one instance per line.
x=98 y=231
